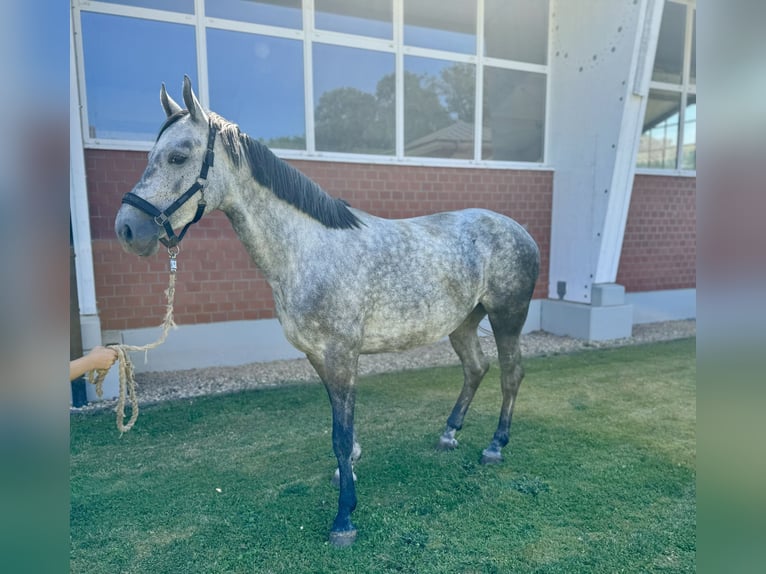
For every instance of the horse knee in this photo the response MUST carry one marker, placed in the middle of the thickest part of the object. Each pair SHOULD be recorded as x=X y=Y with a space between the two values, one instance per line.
x=483 y=366
x=474 y=371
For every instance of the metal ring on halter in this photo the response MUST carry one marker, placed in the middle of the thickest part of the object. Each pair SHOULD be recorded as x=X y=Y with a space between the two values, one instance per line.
x=173 y=250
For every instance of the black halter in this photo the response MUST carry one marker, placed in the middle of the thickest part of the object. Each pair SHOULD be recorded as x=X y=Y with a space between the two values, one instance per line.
x=162 y=218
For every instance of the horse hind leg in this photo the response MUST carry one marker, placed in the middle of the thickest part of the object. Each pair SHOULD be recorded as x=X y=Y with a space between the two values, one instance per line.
x=507 y=330
x=465 y=341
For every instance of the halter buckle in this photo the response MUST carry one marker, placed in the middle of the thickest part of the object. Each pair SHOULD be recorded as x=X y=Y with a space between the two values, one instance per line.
x=173 y=253
x=161 y=219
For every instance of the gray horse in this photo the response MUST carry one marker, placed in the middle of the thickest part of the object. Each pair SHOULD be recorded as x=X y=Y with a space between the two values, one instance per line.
x=345 y=282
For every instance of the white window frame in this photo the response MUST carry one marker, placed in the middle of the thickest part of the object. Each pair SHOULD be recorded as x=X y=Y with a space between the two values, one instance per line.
x=308 y=35
x=685 y=88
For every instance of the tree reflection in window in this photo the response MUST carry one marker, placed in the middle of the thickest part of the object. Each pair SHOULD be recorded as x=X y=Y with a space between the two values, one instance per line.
x=659 y=138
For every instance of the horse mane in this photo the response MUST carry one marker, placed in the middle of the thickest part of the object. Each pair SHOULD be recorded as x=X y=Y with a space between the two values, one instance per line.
x=286 y=182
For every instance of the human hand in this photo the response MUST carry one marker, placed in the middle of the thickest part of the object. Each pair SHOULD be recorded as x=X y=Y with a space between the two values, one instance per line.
x=99 y=358
x=102 y=357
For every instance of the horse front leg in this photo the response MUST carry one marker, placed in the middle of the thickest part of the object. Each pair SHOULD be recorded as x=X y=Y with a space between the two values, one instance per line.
x=338 y=372
x=356 y=454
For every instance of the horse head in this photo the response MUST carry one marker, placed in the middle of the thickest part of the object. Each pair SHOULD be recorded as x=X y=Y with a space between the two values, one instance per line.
x=173 y=192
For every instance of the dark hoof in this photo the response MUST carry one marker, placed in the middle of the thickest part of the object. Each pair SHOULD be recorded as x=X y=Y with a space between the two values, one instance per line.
x=343 y=538
x=491 y=457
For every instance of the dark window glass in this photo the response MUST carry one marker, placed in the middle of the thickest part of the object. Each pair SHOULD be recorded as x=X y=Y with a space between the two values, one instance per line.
x=264 y=93
x=693 y=67
x=185 y=6
x=284 y=13
x=441 y=24
x=122 y=85
x=369 y=18
x=689 y=154
x=658 y=147
x=514 y=115
x=354 y=103
x=669 y=61
x=516 y=30
x=438 y=108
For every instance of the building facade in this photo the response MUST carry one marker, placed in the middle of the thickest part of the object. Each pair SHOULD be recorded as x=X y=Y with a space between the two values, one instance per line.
x=576 y=118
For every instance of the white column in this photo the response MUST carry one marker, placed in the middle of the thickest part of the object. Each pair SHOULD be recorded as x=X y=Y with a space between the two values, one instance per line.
x=80 y=216
x=601 y=54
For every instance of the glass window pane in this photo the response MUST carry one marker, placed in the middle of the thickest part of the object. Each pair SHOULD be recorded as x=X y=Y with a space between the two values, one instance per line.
x=514 y=115
x=689 y=155
x=658 y=147
x=257 y=82
x=354 y=103
x=693 y=68
x=668 y=63
x=370 y=18
x=516 y=30
x=285 y=13
x=122 y=86
x=185 y=6
x=438 y=108
x=441 y=24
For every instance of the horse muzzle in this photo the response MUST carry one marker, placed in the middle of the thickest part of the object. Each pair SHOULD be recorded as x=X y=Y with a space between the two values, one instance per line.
x=138 y=233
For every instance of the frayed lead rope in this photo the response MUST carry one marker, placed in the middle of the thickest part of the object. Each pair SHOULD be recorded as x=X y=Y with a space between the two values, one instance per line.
x=127 y=373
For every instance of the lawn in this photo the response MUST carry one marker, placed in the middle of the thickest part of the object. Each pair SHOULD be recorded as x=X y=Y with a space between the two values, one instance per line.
x=599 y=476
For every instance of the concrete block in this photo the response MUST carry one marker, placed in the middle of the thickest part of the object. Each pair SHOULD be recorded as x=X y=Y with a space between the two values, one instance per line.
x=607 y=295
x=586 y=321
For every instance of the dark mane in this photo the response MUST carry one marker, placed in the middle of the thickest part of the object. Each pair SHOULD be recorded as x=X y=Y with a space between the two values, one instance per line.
x=286 y=182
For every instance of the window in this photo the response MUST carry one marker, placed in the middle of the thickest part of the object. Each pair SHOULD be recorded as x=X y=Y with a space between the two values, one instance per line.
x=438 y=108
x=669 y=134
x=372 y=18
x=516 y=30
x=514 y=115
x=286 y=13
x=266 y=96
x=441 y=24
x=353 y=108
x=659 y=143
x=185 y=6
x=123 y=100
x=405 y=80
x=689 y=150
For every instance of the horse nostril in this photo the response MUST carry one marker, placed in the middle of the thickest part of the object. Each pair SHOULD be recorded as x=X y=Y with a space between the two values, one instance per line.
x=126 y=232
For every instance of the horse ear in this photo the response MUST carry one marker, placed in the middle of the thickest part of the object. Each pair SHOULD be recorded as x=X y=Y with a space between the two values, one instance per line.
x=192 y=104
x=168 y=104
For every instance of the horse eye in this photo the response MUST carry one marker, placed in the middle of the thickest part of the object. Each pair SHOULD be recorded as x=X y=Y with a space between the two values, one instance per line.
x=177 y=158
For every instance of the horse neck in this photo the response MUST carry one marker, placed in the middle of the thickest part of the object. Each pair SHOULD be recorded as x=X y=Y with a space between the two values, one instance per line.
x=272 y=231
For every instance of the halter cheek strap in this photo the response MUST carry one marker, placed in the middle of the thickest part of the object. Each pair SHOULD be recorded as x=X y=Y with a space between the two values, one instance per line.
x=162 y=218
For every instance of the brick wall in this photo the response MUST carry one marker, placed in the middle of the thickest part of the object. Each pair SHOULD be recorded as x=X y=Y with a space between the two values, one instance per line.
x=660 y=246
x=217 y=281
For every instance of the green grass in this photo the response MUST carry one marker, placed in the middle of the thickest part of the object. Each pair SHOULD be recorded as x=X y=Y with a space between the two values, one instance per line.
x=599 y=476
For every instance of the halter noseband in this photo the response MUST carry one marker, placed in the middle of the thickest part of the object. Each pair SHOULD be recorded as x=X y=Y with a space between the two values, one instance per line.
x=162 y=218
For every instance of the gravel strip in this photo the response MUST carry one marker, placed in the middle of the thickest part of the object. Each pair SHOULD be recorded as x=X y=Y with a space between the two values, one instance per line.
x=168 y=385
